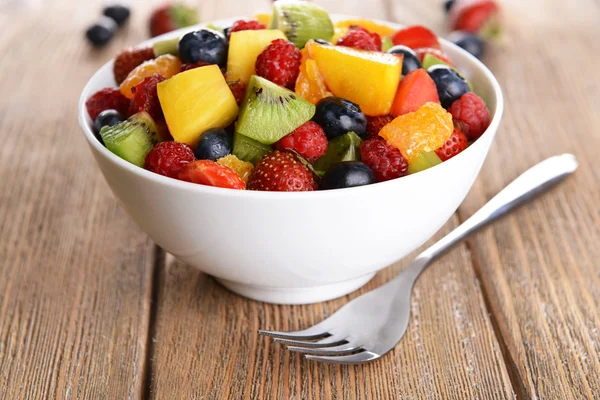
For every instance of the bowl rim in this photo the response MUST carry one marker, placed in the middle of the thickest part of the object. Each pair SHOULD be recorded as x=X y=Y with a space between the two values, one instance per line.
x=86 y=125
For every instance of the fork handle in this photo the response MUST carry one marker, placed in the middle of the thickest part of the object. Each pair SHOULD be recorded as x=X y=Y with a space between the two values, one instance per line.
x=526 y=187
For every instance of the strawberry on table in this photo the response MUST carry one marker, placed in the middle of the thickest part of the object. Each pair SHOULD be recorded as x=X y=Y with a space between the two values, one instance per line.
x=107 y=99
x=477 y=17
x=454 y=145
x=210 y=173
x=416 y=37
x=127 y=60
x=170 y=17
x=470 y=115
x=281 y=172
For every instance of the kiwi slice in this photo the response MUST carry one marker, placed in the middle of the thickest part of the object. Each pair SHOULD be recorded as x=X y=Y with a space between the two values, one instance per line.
x=270 y=112
x=132 y=139
x=386 y=44
x=301 y=21
x=430 y=60
x=247 y=149
x=423 y=161
x=168 y=46
x=342 y=148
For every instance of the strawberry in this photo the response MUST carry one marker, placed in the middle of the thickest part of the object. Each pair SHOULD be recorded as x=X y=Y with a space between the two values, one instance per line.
x=423 y=51
x=170 y=17
x=281 y=172
x=416 y=37
x=476 y=16
x=128 y=59
x=206 y=172
x=455 y=144
x=416 y=89
x=107 y=99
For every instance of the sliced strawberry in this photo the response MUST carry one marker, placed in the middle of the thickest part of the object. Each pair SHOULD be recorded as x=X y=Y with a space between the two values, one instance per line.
x=422 y=52
x=206 y=172
x=455 y=144
x=416 y=37
x=472 y=15
x=416 y=89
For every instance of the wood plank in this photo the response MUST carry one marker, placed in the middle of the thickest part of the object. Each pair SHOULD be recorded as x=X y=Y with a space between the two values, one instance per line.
x=75 y=273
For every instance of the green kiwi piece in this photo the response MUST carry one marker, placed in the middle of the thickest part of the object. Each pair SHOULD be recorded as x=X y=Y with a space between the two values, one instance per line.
x=386 y=44
x=247 y=149
x=270 y=112
x=301 y=21
x=423 y=161
x=132 y=139
x=168 y=46
x=342 y=148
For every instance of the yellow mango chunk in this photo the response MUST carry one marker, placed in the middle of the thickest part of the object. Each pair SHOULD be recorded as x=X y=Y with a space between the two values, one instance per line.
x=381 y=30
x=196 y=101
x=263 y=18
x=244 y=49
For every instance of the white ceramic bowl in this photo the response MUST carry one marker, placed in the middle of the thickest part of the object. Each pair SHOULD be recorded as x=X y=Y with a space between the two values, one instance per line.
x=296 y=248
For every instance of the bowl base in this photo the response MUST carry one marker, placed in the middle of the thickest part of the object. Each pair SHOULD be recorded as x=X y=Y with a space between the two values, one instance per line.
x=308 y=295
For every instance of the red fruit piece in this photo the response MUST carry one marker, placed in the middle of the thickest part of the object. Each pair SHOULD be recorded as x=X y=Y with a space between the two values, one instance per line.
x=308 y=140
x=385 y=160
x=128 y=59
x=422 y=52
x=206 y=172
x=239 y=91
x=145 y=97
x=107 y=99
x=281 y=172
x=416 y=89
x=454 y=145
x=376 y=124
x=416 y=37
x=170 y=17
x=245 y=25
x=168 y=158
x=187 y=67
x=280 y=63
x=470 y=115
x=471 y=16
x=359 y=38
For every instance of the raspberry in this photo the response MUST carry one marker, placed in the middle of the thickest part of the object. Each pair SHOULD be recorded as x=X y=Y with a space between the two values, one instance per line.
x=107 y=99
x=376 y=124
x=385 y=160
x=239 y=91
x=308 y=140
x=358 y=37
x=187 y=67
x=168 y=158
x=145 y=97
x=280 y=63
x=281 y=172
x=245 y=25
x=470 y=115
x=454 y=145
x=128 y=60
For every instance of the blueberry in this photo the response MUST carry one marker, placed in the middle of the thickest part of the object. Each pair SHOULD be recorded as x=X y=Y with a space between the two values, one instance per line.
x=448 y=4
x=106 y=118
x=471 y=43
x=101 y=32
x=323 y=41
x=119 y=13
x=204 y=45
x=347 y=174
x=450 y=85
x=214 y=144
x=338 y=116
x=410 y=61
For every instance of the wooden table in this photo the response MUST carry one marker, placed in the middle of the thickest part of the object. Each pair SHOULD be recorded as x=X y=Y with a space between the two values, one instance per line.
x=90 y=308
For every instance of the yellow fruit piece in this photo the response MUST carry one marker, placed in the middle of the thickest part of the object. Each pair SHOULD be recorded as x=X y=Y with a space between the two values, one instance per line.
x=426 y=129
x=244 y=49
x=381 y=30
x=242 y=168
x=166 y=65
x=310 y=84
x=367 y=78
x=337 y=34
x=263 y=18
x=195 y=101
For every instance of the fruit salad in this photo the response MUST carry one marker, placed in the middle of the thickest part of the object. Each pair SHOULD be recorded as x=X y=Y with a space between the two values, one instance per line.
x=289 y=102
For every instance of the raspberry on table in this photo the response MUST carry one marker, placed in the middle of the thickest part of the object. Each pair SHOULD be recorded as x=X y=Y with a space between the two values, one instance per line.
x=281 y=172
x=145 y=97
x=280 y=63
x=107 y=99
x=385 y=160
x=308 y=140
x=358 y=37
x=454 y=145
x=376 y=124
x=168 y=158
x=245 y=25
x=470 y=115
x=127 y=60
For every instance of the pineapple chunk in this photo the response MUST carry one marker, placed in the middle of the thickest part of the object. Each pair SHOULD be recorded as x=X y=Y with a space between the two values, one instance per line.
x=196 y=101
x=244 y=49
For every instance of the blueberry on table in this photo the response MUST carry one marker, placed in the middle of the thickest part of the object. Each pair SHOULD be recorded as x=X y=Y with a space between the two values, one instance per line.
x=448 y=4
x=339 y=116
x=450 y=85
x=101 y=32
x=119 y=13
x=347 y=174
x=205 y=45
x=214 y=144
x=468 y=41
x=410 y=61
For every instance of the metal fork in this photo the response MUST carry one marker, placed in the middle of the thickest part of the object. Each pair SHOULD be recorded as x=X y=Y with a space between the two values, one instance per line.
x=371 y=325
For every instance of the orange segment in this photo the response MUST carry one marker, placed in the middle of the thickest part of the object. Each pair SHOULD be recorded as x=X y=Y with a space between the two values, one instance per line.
x=426 y=129
x=310 y=84
x=166 y=65
x=382 y=30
